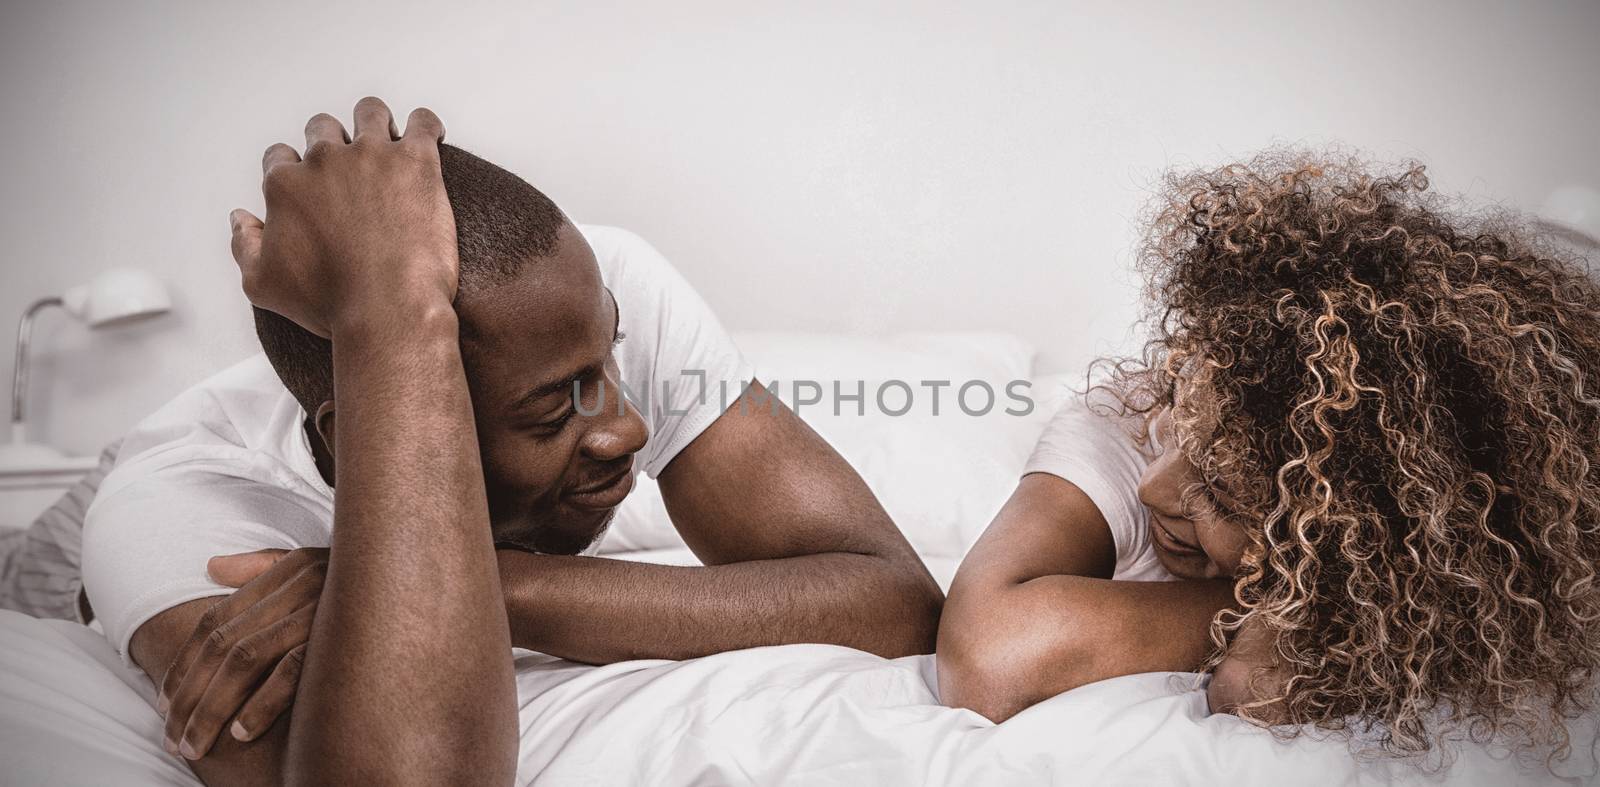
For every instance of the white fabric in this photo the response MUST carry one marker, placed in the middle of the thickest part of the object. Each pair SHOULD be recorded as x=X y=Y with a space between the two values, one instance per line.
x=912 y=356
x=70 y=713
x=226 y=466
x=940 y=476
x=1089 y=443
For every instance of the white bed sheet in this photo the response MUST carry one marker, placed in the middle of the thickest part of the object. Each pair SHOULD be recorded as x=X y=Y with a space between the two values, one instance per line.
x=71 y=714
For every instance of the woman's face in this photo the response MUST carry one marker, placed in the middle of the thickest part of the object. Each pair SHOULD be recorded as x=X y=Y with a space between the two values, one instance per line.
x=1192 y=538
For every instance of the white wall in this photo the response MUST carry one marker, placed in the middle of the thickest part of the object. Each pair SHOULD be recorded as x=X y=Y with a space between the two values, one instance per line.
x=910 y=166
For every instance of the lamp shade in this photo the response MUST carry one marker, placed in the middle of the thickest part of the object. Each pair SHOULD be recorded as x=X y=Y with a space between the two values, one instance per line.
x=115 y=296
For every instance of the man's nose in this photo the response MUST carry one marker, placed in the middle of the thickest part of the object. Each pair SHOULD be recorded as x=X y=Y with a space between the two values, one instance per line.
x=615 y=434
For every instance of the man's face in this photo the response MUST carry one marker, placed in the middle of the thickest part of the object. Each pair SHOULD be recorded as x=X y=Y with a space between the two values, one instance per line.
x=554 y=476
x=1193 y=538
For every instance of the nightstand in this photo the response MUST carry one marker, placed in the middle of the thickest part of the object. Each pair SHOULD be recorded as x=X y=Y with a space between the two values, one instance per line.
x=27 y=490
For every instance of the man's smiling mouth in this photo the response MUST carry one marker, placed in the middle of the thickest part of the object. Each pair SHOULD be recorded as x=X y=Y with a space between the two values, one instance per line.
x=607 y=493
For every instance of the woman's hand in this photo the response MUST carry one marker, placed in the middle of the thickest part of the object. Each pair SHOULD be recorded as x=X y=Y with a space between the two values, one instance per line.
x=1249 y=673
x=263 y=628
x=356 y=229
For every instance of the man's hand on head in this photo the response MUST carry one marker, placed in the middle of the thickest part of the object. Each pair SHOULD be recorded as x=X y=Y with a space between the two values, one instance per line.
x=356 y=228
x=259 y=631
x=359 y=245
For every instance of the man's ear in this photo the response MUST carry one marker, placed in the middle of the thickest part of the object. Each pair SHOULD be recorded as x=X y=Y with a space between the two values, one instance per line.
x=324 y=421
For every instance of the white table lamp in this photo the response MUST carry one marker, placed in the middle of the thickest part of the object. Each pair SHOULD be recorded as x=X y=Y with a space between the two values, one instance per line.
x=115 y=297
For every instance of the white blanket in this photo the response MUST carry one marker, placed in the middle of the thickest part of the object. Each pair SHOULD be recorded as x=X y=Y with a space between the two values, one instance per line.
x=804 y=714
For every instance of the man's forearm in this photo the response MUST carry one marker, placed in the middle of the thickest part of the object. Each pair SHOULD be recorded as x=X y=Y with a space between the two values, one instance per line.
x=408 y=669
x=599 y=611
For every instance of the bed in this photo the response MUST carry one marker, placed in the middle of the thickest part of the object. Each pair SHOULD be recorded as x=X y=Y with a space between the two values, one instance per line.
x=71 y=713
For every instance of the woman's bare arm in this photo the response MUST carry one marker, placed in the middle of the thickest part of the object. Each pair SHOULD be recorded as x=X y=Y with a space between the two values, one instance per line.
x=1033 y=612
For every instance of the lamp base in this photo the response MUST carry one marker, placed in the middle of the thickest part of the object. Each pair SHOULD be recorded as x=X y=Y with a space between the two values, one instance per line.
x=28 y=455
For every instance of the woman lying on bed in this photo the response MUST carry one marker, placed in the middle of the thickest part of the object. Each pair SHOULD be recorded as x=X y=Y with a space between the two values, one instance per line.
x=1364 y=442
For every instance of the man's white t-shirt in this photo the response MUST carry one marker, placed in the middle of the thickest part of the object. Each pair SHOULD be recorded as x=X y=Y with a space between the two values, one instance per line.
x=1090 y=443
x=226 y=467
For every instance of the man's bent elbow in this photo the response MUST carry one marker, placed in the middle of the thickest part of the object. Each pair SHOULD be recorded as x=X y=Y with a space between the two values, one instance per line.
x=914 y=620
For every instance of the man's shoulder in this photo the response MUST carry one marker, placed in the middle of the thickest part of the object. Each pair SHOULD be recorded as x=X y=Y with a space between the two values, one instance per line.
x=227 y=408
x=205 y=475
x=240 y=422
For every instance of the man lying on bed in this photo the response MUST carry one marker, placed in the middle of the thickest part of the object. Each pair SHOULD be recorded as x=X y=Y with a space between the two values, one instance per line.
x=439 y=564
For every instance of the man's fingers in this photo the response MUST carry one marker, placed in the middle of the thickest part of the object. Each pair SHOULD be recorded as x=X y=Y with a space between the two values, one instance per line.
x=374 y=122
x=277 y=155
x=324 y=130
x=424 y=128
x=272 y=699
x=230 y=687
x=180 y=694
x=236 y=570
x=220 y=614
x=246 y=241
x=218 y=643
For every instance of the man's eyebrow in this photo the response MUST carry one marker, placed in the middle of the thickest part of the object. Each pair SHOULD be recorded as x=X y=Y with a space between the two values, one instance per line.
x=542 y=390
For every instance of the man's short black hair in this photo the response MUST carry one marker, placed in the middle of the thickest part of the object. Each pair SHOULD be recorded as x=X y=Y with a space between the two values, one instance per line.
x=502 y=223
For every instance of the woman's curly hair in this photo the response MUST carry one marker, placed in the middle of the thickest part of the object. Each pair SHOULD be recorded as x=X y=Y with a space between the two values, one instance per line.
x=1403 y=406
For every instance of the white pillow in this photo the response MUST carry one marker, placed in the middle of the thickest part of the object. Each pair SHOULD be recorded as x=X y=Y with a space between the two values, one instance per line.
x=941 y=477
